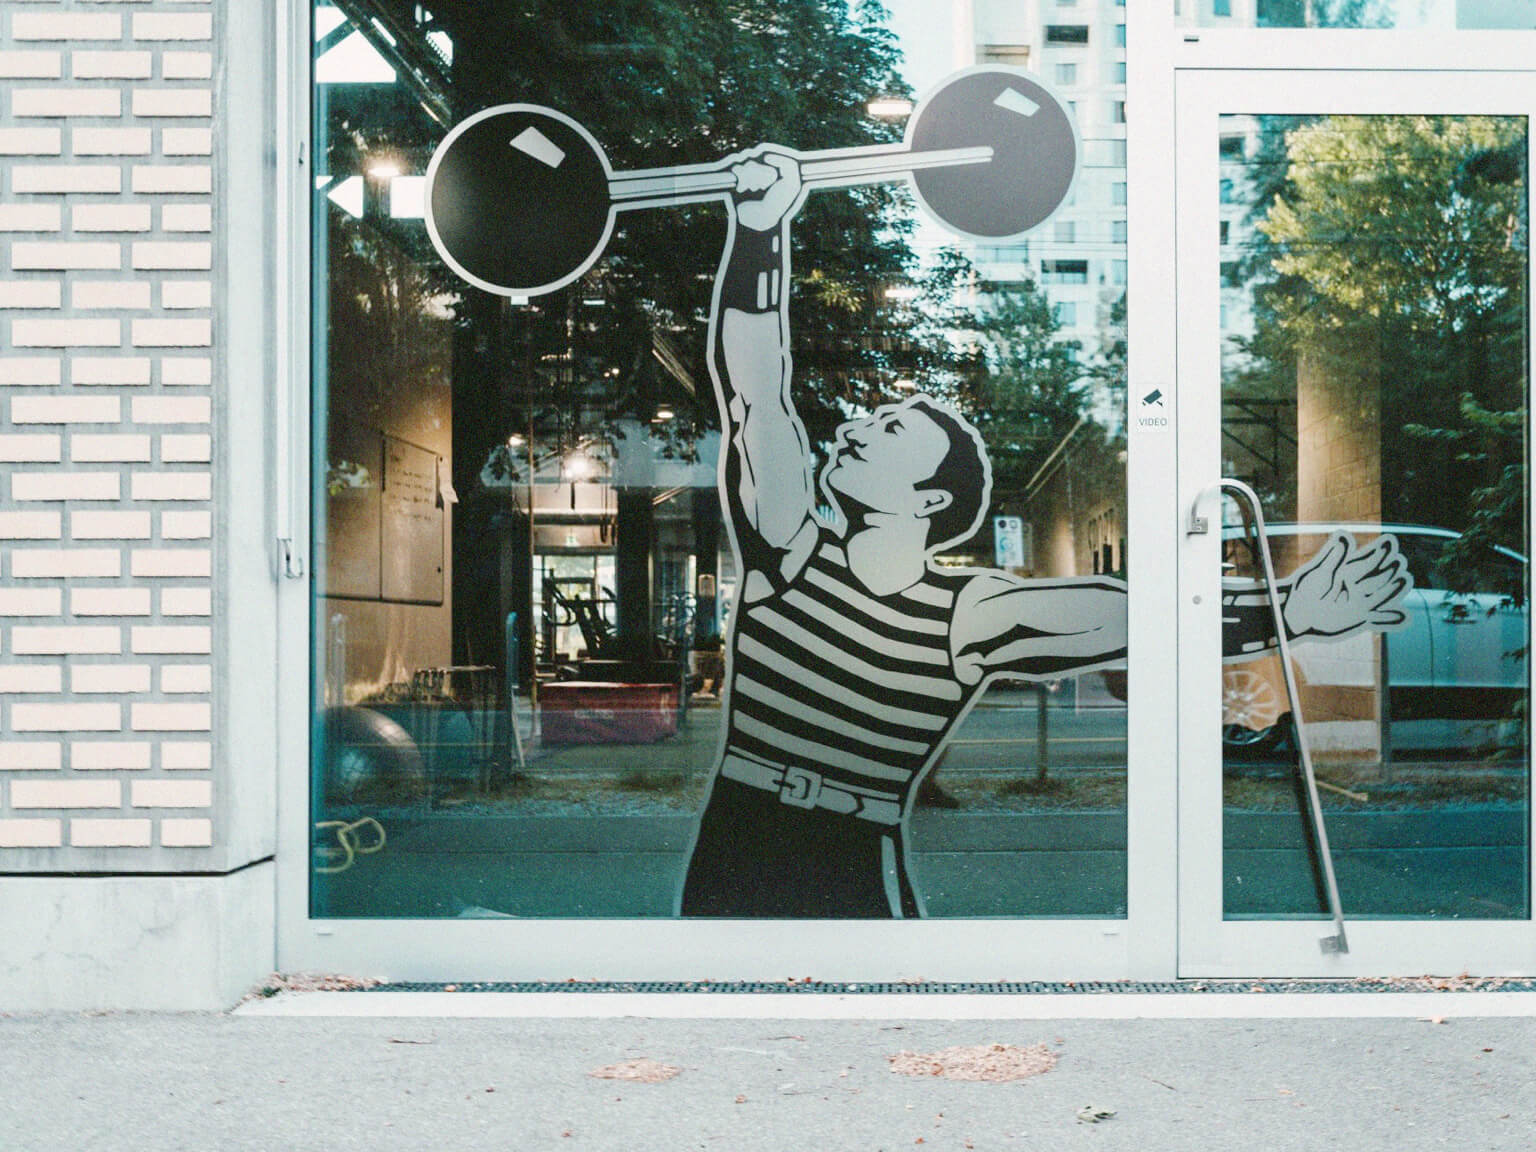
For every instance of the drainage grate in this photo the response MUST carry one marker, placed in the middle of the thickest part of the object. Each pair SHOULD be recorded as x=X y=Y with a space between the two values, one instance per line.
x=998 y=988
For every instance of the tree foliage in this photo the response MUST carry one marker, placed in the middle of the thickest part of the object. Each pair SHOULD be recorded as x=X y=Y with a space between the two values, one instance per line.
x=1403 y=241
x=659 y=84
x=1393 y=216
x=1022 y=385
x=1327 y=13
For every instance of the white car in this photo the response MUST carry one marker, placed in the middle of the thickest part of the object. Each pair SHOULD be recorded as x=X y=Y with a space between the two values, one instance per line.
x=1461 y=656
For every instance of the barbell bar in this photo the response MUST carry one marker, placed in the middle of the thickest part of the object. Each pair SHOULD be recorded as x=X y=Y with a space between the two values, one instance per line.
x=521 y=200
x=830 y=168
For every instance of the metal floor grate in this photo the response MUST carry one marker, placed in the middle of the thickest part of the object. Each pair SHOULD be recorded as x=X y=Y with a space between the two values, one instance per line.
x=1002 y=988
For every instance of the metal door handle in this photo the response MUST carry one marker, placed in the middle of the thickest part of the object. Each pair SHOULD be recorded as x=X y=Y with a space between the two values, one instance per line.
x=1338 y=942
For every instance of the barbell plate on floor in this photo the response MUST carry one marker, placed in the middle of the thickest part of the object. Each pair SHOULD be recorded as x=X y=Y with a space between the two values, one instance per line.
x=1034 y=152
x=517 y=200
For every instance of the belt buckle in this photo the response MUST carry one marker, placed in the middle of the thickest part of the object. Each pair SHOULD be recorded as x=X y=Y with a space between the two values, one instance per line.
x=800 y=787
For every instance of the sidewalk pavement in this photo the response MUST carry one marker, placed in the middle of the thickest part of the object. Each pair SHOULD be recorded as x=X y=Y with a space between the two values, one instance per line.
x=787 y=1074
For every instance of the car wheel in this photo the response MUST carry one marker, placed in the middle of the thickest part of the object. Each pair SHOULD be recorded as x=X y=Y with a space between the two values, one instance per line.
x=1252 y=717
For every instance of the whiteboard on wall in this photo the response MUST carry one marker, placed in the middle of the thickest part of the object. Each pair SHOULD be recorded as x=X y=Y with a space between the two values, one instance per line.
x=354 y=467
x=411 y=525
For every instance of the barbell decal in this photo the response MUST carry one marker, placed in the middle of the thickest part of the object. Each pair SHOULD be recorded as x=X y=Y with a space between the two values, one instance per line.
x=521 y=200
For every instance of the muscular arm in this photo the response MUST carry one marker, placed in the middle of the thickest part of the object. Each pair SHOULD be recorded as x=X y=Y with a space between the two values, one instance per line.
x=1041 y=629
x=1036 y=629
x=1247 y=621
x=766 y=479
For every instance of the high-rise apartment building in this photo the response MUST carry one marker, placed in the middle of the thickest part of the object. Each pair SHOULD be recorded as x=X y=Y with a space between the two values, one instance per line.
x=1078 y=47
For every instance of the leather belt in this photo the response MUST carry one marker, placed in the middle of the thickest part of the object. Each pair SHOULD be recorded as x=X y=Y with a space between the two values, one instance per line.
x=799 y=787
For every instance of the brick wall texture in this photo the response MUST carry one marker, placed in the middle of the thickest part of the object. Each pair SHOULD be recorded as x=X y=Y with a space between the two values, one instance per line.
x=106 y=372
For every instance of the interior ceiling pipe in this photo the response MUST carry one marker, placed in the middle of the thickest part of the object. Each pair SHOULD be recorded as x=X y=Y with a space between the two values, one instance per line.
x=1041 y=475
x=405 y=46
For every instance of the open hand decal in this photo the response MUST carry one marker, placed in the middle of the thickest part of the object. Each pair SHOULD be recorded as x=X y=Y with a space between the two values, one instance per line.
x=1343 y=589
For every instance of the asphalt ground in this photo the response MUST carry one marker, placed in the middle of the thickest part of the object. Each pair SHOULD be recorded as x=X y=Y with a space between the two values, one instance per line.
x=1446 y=1079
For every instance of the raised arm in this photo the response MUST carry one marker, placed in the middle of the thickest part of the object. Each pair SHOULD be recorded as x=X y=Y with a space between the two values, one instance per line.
x=1036 y=629
x=766 y=471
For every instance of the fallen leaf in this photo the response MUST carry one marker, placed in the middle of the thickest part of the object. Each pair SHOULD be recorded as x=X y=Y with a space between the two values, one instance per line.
x=644 y=1070
x=994 y=1063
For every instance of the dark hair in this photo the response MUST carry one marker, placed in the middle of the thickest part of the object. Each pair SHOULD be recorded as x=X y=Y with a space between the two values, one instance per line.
x=965 y=473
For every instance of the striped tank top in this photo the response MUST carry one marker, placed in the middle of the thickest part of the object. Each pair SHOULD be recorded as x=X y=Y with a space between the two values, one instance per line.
x=857 y=687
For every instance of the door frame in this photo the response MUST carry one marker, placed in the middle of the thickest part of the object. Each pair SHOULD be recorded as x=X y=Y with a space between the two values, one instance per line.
x=1209 y=945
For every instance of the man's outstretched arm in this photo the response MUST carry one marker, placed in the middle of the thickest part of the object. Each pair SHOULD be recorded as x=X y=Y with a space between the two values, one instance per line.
x=1041 y=629
x=1036 y=629
x=1340 y=591
x=766 y=481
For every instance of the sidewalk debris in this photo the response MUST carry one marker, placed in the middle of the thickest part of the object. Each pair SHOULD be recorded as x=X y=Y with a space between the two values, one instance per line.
x=994 y=1063
x=309 y=982
x=643 y=1070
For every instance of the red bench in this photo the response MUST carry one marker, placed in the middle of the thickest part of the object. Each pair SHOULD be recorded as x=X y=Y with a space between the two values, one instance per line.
x=599 y=712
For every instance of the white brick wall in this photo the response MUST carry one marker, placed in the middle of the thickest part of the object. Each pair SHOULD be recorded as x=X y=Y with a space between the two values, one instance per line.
x=106 y=339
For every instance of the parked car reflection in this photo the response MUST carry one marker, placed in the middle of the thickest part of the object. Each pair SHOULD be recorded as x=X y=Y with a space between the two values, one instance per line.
x=1457 y=670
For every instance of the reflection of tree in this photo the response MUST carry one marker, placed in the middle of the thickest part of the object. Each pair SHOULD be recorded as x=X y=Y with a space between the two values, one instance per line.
x=1022 y=385
x=663 y=83
x=388 y=324
x=1403 y=240
x=1327 y=13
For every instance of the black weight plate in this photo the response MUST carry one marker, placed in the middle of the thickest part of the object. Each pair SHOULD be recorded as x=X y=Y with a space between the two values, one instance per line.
x=518 y=199
x=1034 y=152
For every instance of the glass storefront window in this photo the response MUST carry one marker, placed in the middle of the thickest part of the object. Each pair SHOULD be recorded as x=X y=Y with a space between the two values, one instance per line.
x=1406 y=14
x=533 y=616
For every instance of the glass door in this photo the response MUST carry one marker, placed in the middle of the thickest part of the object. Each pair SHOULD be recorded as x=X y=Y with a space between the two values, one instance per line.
x=1354 y=355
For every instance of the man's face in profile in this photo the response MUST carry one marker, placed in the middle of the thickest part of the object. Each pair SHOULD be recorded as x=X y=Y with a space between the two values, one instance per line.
x=879 y=463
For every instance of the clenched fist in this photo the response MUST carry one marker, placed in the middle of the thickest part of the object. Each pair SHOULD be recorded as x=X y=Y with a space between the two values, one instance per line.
x=768 y=188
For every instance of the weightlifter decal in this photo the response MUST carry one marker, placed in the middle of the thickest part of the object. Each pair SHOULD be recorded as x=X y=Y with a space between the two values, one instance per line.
x=853 y=656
